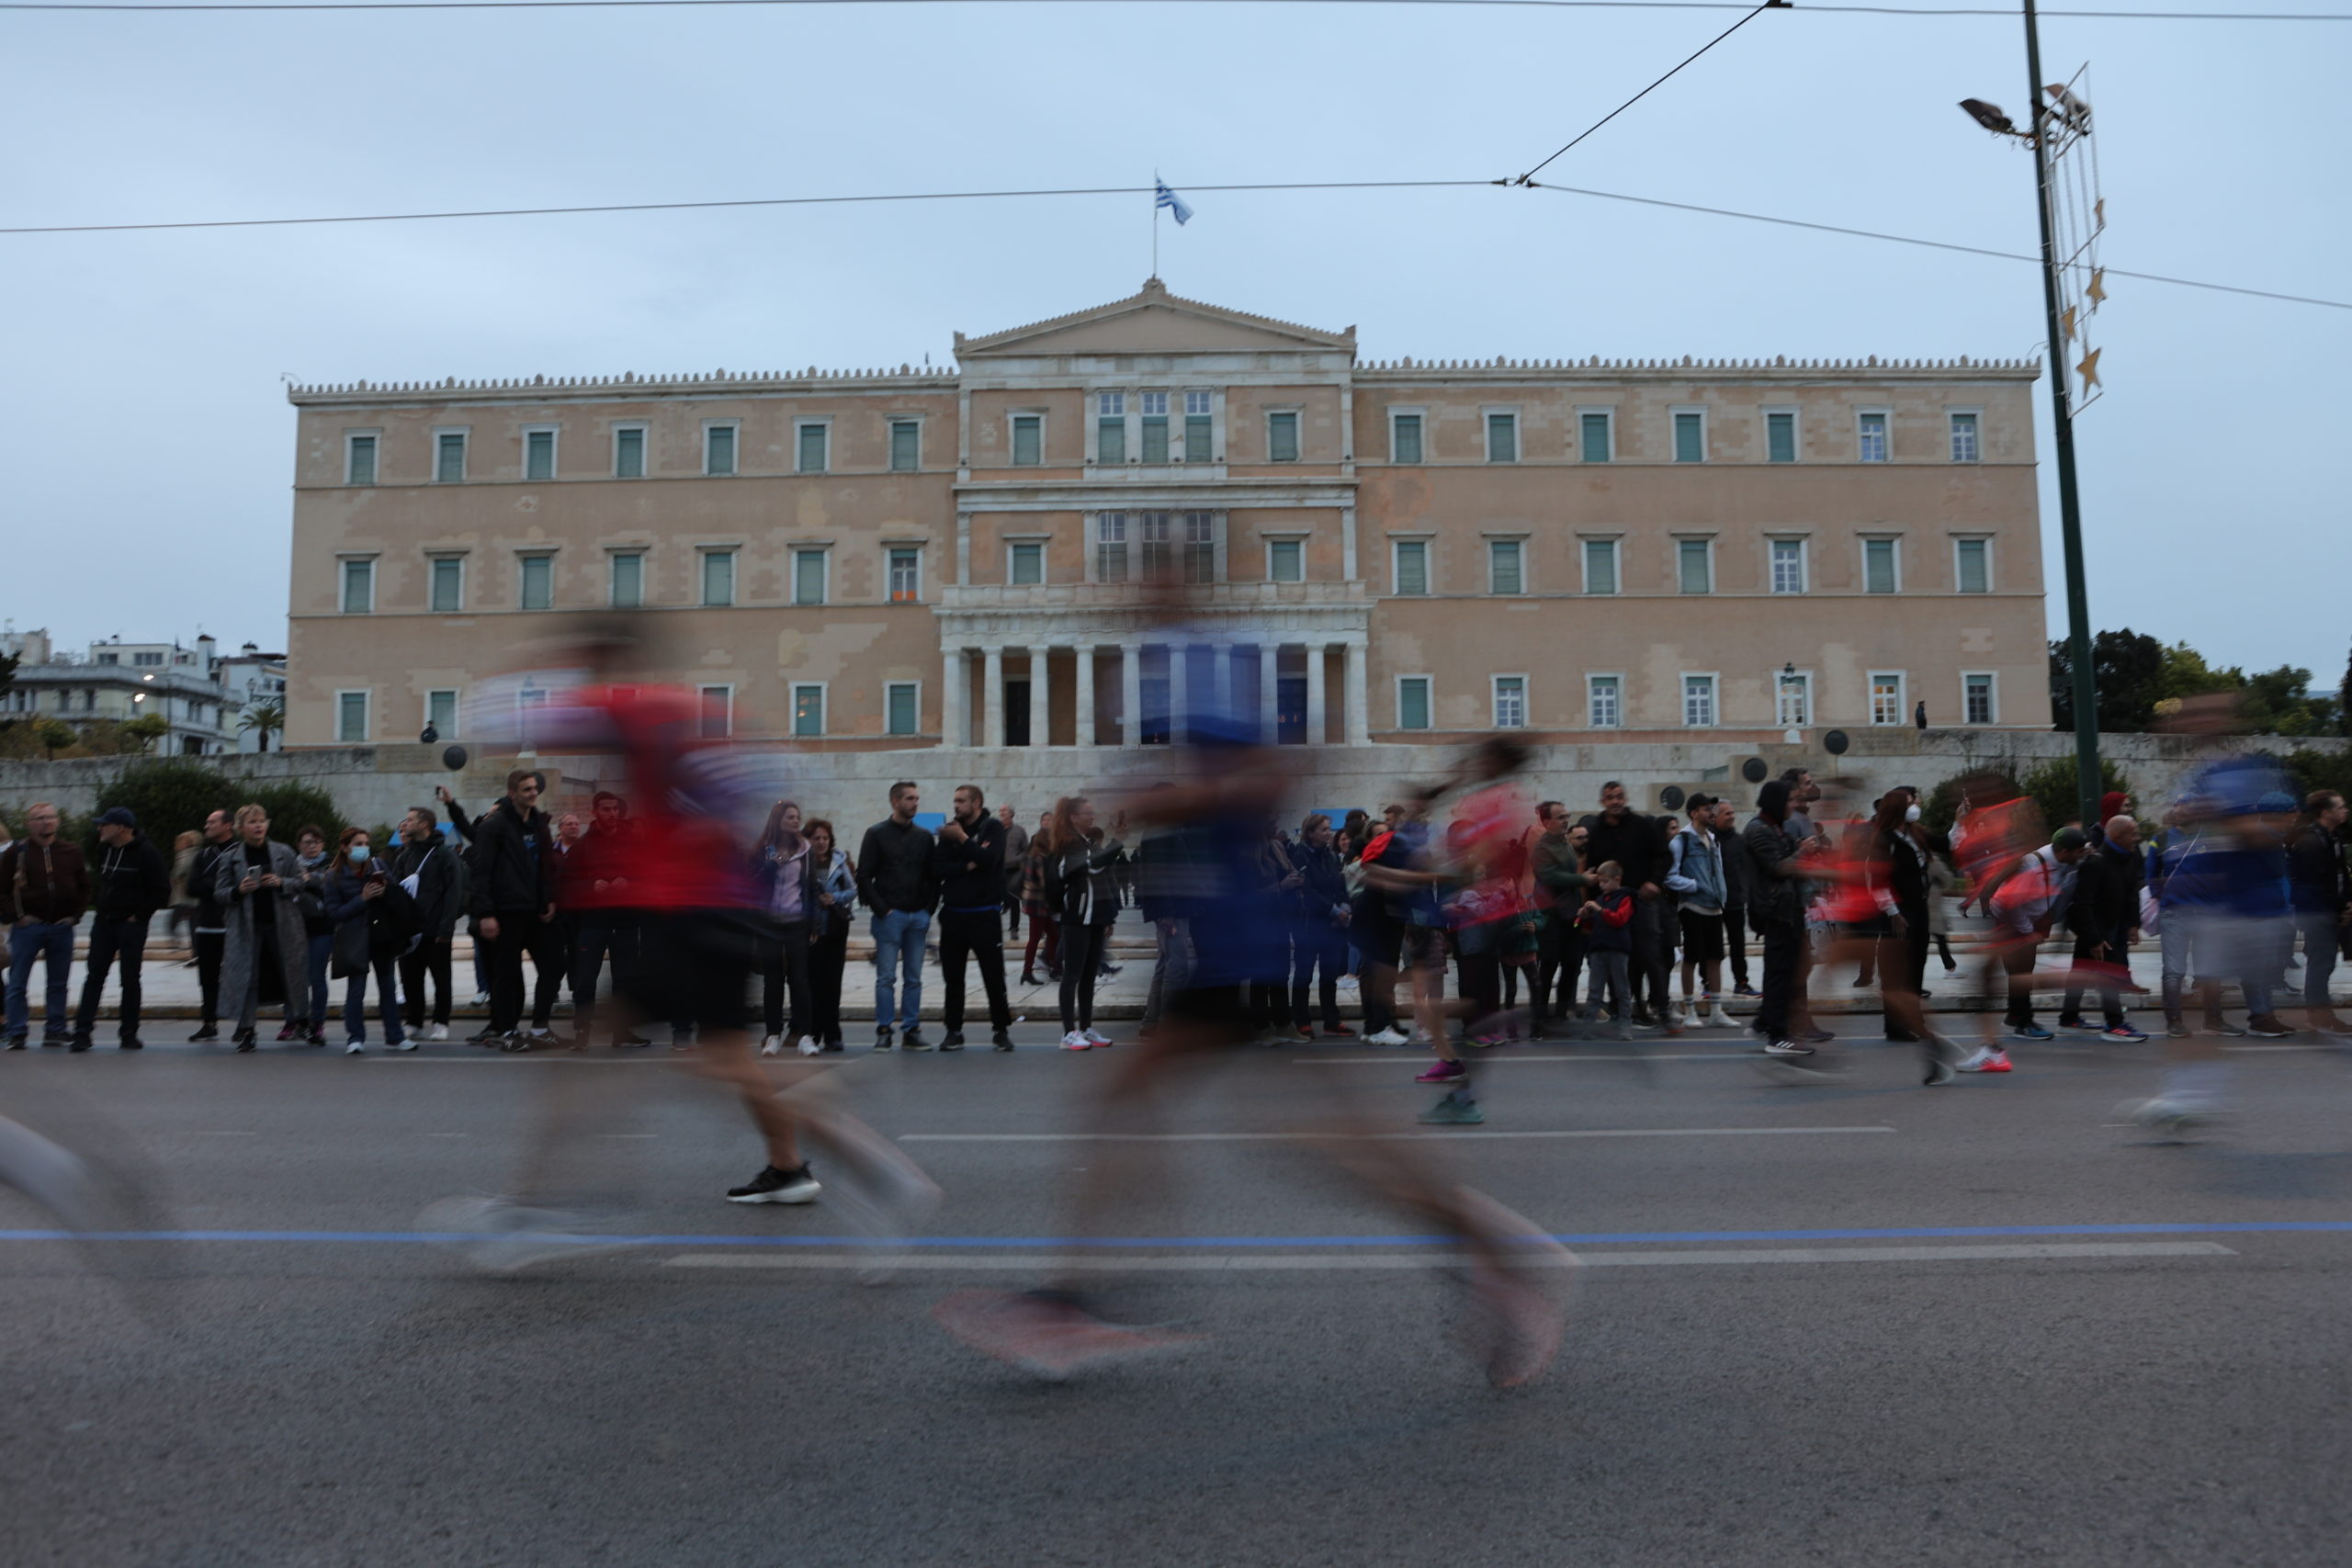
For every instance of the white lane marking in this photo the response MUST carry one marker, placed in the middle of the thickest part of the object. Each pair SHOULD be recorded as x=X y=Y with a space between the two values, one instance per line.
x=628 y=1135
x=1486 y=1058
x=1246 y=1262
x=449 y=1135
x=208 y=1133
x=1298 y=1138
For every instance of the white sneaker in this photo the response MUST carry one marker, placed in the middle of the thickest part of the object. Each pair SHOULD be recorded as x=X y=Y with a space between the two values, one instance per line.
x=1095 y=1037
x=809 y=1046
x=1674 y=1018
x=772 y=1047
x=482 y=999
x=404 y=1044
x=1718 y=1019
x=1348 y=982
x=1074 y=1041
x=1984 y=1059
x=438 y=1031
x=353 y=1048
x=1392 y=1035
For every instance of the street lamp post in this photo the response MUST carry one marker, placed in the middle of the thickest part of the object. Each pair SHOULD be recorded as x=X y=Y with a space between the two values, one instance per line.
x=2088 y=783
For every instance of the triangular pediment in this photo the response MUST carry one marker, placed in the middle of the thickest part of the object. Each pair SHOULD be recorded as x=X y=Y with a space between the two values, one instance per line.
x=1155 y=321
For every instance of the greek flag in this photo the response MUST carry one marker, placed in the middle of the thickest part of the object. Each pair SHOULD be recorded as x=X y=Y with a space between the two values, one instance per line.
x=1174 y=203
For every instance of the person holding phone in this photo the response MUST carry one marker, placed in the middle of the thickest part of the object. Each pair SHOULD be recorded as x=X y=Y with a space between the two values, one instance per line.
x=258 y=884
x=375 y=922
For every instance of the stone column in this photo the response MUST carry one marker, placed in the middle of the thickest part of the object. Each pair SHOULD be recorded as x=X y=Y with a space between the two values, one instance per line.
x=1041 y=696
x=1315 y=720
x=1359 y=700
x=954 y=729
x=992 y=696
x=1270 y=668
x=1085 y=651
x=1131 y=693
x=1179 y=691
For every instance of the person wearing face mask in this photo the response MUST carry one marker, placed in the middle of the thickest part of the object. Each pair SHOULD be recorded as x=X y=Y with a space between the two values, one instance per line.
x=310 y=897
x=374 y=921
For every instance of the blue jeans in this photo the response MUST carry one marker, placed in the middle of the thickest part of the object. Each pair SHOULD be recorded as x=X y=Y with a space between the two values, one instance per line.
x=321 y=949
x=355 y=1002
x=898 y=938
x=53 y=944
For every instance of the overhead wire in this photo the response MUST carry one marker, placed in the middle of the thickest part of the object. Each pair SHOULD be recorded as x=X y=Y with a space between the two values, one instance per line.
x=2008 y=14
x=1646 y=92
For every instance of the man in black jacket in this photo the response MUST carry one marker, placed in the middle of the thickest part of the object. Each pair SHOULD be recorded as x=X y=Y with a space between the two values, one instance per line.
x=211 y=930
x=2104 y=915
x=514 y=909
x=1634 y=842
x=896 y=880
x=2322 y=893
x=967 y=863
x=129 y=883
x=1772 y=876
x=440 y=883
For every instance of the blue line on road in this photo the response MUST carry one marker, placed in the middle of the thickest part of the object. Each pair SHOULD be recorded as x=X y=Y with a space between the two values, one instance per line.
x=1587 y=1238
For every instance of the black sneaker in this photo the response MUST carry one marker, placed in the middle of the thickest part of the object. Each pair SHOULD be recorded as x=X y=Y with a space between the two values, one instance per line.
x=79 y=1043
x=1003 y=1039
x=243 y=1039
x=2267 y=1027
x=209 y=1032
x=834 y=1042
x=486 y=1037
x=882 y=1038
x=912 y=1040
x=514 y=1043
x=774 y=1186
x=55 y=1042
x=16 y=1043
x=132 y=1042
x=951 y=1040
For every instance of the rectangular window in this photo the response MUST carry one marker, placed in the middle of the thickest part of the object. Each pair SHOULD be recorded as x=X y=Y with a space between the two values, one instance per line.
x=1793 y=701
x=906 y=445
x=1502 y=438
x=1110 y=547
x=906 y=574
x=539 y=582
x=1874 y=437
x=1972 y=565
x=1159 y=547
x=1412 y=566
x=448 y=584
x=629 y=452
x=1404 y=438
x=1412 y=701
x=1694 y=566
x=1200 y=439
x=1699 y=701
x=441 y=713
x=450 y=457
x=1603 y=703
x=1286 y=561
x=808 y=577
x=1963 y=438
x=717 y=712
x=812 y=448
x=1689 y=438
x=807 y=710
x=359 y=460
x=1511 y=702
x=1787 y=567
x=350 y=716
x=1282 y=437
x=1155 y=427
x=1599 y=446
x=628 y=581
x=718 y=577
x=538 y=453
x=1028 y=440
x=1026 y=565
x=1600 y=566
x=1879 y=566
x=138 y=659
x=1886 y=698
x=1505 y=564
x=901 y=708
x=718 y=449
x=1200 y=546
x=1111 y=427
x=1977 y=698
x=358 y=587
x=1779 y=437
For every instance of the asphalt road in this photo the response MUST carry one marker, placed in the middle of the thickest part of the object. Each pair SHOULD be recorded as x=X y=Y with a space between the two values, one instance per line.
x=1931 y=1348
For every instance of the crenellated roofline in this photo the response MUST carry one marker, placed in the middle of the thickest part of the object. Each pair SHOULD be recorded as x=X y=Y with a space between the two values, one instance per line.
x=1689 y=368
x=906 y=378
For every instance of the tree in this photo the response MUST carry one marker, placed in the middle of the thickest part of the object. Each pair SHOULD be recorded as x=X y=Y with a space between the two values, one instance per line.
x=147 y=728
x=292 y=806
x=2052 y=784
x=8 y=663
x=55 y=734
x=263 y=721
x=2126 y=668
x=2344 y=700
x=168 y=794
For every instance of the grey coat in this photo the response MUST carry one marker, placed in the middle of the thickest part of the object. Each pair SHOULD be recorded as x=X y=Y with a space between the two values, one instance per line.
x=239 y=984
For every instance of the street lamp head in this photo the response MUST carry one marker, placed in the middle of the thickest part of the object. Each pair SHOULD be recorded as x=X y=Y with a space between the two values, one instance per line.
x=1989 y=115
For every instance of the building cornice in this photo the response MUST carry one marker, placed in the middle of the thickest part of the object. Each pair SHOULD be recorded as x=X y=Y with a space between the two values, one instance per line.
x=629 y=384
x=1598 y=370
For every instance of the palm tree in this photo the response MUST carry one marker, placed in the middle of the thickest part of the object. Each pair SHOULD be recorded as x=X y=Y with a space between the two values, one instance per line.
x=266 y=720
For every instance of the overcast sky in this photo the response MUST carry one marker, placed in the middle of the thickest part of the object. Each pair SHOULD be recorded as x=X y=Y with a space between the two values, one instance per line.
x=151 y=446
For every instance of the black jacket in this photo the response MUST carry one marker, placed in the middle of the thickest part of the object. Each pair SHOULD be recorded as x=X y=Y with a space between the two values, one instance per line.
x=514 y=861
x=2107 y=894
x=1324 y=894
x=970 y=874
x=440 y=884
x=209 y=915
x=2315 y=871
x=1634 y=841
x=894 y=868
x=1767 y=857
x=130 y=881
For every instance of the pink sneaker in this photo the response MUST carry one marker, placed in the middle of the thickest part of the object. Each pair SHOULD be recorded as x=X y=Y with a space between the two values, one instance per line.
x=1442 y=1072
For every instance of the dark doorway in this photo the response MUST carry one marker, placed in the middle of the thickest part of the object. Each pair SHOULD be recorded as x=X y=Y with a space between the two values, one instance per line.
x=1016 y=712
x=1290 y=710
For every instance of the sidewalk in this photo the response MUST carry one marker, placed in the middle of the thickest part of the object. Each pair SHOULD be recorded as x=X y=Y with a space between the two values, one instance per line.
x=171 y=991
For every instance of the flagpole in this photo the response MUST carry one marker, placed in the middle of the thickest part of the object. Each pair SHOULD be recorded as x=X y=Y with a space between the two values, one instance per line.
x=1155 y=222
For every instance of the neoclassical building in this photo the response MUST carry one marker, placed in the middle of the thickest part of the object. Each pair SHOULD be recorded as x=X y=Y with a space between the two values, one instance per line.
x=1401 y=550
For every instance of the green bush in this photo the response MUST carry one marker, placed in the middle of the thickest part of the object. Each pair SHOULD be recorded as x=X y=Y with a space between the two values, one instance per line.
x=2052 y=785
x=2314 y=769
x=1942 y=806
x=294 y=806
x=170 y=796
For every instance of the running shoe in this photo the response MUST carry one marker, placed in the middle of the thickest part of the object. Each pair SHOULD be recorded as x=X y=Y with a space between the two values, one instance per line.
x=355 y=1047
x=1986 y=1059
x=1046 y=1333
x=209 y=1032
x=1815 y=1036
x=1338 y=1032
x=2079 y=1026
x=1456 y=1109
x=2031 y=1032
x=502 y=1237
x=1787 y=1048
x=438 y=1031
x=912 y=1040
x=774 y=1186
x=16 y=1043
x=1074 y=1041
x=2222 y=1030
x=809 y=1046
x=515 y=1045
x=1516 y=1311
x=79 y=1043
x=1389 y=1036
x=2267 y=1027
x=2170 y=1117
x=1095 y=1036
x=132 y=1042
x=2122 y=1033
x=490 y=1037
x=1441 y=1072
x=2177 y=1029
x=772 y=1047
x=288 y=1032
x=1746 y=991
x=1001 y=1040
x=242 y=1040
x=1718 y=1019
x=952 y=1040
x=882 y=1038
x=406 y=1043
x=1305 y=1033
